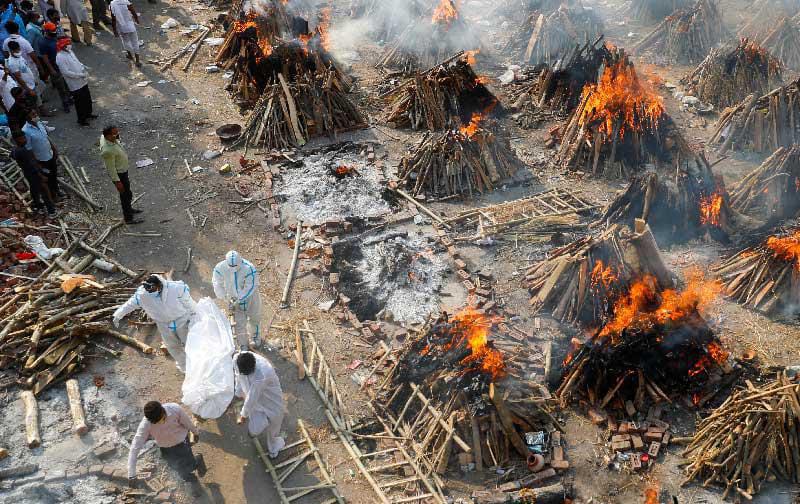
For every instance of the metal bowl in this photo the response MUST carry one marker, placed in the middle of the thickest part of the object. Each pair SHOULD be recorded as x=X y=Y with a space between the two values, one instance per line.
x=228 y=132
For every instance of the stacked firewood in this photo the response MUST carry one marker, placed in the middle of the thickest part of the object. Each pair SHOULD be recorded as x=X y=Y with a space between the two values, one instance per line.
x=441 y=97
x=751 y=438
x=771 y=191
x=687 y=35
x=474 y=159
x=656 y=10
x=578 y=283
x=546 y=37
x=765 y=14
x=765 y=277
x=784 y=42
x=730 y=73
x=762 y=124
x=52 y=321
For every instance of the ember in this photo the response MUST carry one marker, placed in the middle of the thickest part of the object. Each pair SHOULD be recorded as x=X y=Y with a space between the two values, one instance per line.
x=710 y=208
x=786 y=247
x=471 y=329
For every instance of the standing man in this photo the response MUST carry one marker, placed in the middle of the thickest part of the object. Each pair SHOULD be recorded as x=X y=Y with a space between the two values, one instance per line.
x=44 y=151
x=77 y=79
x=169 y=425
x=26 y=49
x=263 y=409
x=235 y=281
x=33 y=174
x=34 y=28
x=170 y=305
x=116 y=161
x=18 y=113
x=123 y=21
x=100 y=13
x=48 y=53
x=20 y=71
x=78 y=16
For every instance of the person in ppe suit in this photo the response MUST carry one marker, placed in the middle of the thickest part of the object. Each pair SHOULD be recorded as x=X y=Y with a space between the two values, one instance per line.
x=171 y=307
x=263 y=409
x=235 y=280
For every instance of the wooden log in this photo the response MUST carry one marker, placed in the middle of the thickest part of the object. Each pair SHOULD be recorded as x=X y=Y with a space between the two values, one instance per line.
x=79 y=426
x=287 y=289
x=142 y=347
x=298 y=354
x=32 y=436
x=506 y=420
x=552 y=494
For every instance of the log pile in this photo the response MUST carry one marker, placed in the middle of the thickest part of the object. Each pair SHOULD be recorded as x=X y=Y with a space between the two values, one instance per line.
x=765 y=14
x=760 y=124
x=687 y=35
x=443 y=97
x=771 y=191
x=655 y=344
x=579 y=282
x=783 y=41
x=751 y=438
x=459 y=163
x=730 y=73
x=656 y=10
x=765 y=277
x=547 y=37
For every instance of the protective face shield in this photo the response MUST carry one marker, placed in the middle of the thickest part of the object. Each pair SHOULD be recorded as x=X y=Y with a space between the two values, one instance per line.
x=152 y=284
x=233 y=260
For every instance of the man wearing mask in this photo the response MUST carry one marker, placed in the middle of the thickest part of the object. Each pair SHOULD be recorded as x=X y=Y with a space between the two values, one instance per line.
x=48 y=53
x=34 y=175
x=34 y=28
x=115 y=160
x=44 y=151
x=19 y=70
x=263 y=409
x=77 y=78
x=235 y=281
x=26 y=49
x=170 y=305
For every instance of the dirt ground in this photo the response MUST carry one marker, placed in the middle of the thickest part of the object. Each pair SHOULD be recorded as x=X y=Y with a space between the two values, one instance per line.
x=170 y=117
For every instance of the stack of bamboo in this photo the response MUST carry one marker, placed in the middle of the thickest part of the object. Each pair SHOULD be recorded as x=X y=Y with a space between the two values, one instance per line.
x=440 y=97
x=456 y=163
x=771 y=191
x=730 y=73
x=751 y=438
x=765 y=277
x=784 y=42
x=761 y=124
x=545 y=38
x=656 y=10
x=687 y=35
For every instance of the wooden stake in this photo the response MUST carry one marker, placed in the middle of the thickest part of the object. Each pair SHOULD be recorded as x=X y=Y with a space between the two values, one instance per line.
x=32 y=436
x=79 y=426
x=298 y=354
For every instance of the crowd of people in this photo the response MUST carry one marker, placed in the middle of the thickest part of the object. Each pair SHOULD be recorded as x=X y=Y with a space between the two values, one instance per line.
x=38 y=63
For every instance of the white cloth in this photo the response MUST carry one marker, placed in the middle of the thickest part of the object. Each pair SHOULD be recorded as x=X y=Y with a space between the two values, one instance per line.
x=25 y=49
x=123 y=16
x=74 y=72
x=130 y=41
x=240 y=284
x=171 y=432
x=76 y=11
x=263 y=402
x=18 y=64
x=7 y=85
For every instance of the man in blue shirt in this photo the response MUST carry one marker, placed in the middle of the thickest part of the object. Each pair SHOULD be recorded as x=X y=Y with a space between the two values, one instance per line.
x=44 y=151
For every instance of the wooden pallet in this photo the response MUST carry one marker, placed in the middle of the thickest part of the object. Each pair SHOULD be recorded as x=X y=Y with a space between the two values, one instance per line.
x=290 y=458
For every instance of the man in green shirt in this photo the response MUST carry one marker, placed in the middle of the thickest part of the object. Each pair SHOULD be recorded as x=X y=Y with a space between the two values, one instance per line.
x=116 y=160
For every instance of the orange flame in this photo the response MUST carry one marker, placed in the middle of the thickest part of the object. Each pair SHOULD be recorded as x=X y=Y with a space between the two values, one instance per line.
x=482 y=79
x=446 y=12
x=651 y=496
x=710 y=208
x=470 y=56
x=474 y=125
x=620 y=102
x=324 y=24
x=644 y=307
x=786 y=247
x=603 y=275
x=716 y=354
x=476 y=337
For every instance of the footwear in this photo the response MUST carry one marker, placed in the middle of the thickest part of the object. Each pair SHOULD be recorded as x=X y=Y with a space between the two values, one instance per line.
x=133 y=221
x=201 y=465
x=280 y=444
x=136 y=210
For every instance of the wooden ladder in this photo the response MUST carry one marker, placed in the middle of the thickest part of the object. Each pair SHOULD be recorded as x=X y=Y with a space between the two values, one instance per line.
x=11 y=175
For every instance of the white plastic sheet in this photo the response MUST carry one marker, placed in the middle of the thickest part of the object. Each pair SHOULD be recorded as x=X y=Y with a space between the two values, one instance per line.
x=208 y=384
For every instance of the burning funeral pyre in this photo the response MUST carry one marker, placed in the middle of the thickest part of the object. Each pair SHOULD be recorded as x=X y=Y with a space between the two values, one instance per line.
x=772 y=191
x=687 y=35
x=766 y=277
x=443 y=97
x=654 y=343
x=656 y=10
x=473 y=159
x=784 y=42
x=429 y=40
x=761 y=124
x=546 y=38
x=729 y=74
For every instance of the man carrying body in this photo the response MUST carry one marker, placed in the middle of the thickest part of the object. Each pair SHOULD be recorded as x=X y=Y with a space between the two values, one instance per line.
x=235 y=281
x=263 y=409
x=170 y=305
x=169 y=425
x=124 y=20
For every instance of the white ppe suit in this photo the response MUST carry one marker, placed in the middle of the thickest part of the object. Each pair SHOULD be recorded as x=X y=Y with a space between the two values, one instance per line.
x=263 y=402
x=171 y=310
x=235 y=281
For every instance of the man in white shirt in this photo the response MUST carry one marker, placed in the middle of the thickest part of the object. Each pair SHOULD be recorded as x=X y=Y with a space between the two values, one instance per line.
x=25 y=48
x=19 y=70
x=169 y=425
x=263 y=409
x=124 y=20
x=76 y=76
x=78 y=16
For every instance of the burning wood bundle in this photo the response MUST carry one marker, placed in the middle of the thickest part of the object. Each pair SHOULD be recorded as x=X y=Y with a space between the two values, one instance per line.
x=784 y=42
x=426 y=42
x=545 y=38
x=766 y=277
x=656 y=10
x=656 y=343
x=750 y=439
x=761 y=124
x=473 y=159
x=729 y=74
x=771 y=191
x=687 y=35
x=579 y=282
x=443 y=97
